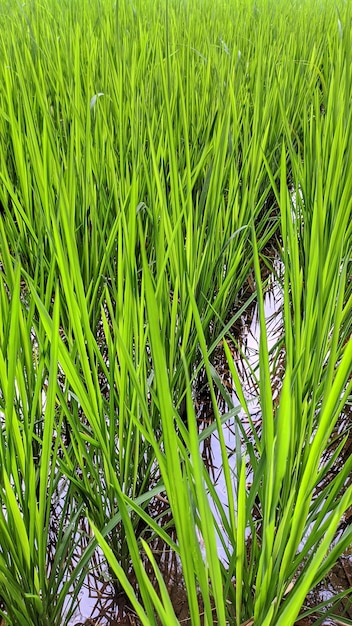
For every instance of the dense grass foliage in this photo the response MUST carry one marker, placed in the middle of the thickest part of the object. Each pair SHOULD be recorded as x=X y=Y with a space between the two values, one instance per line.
x=149 y=153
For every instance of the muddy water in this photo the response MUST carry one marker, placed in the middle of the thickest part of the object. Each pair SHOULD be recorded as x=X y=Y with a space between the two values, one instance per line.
x=245 y=353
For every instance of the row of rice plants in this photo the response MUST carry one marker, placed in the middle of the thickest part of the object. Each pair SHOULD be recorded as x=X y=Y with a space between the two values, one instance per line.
x=149 y=151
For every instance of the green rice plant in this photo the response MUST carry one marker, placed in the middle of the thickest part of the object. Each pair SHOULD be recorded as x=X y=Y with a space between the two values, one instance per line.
x=148 y=154
x=295 y=553
x=72 y=146
x=86 y=249
x=36 y=568
x=283 y=486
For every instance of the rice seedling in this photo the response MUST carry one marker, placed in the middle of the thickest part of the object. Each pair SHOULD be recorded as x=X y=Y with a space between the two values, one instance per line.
x=149 y=154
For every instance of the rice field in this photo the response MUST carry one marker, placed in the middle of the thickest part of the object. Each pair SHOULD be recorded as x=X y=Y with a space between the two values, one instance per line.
x=163 y=164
